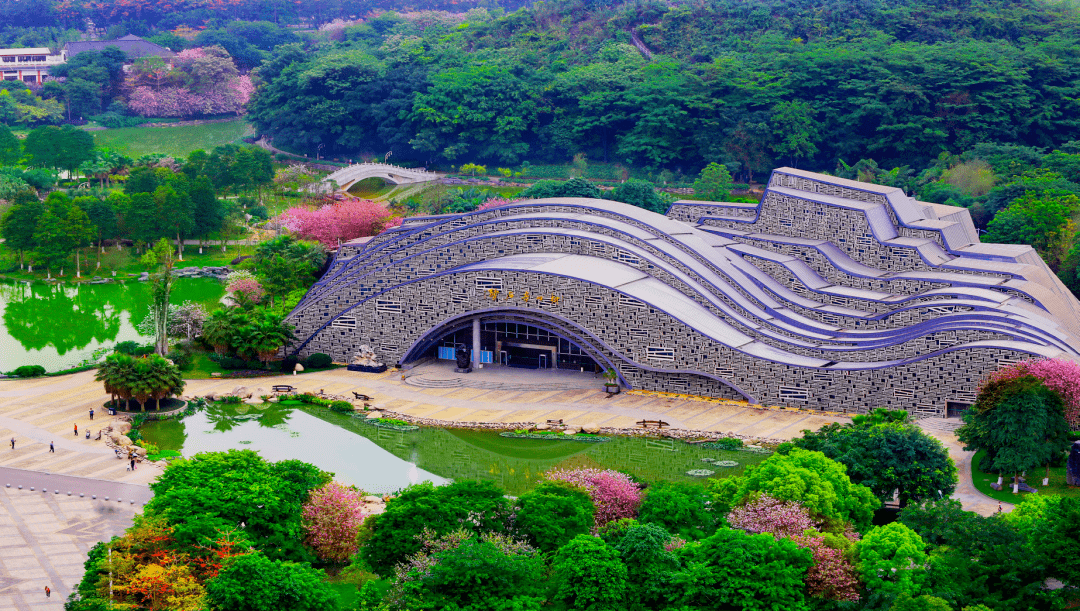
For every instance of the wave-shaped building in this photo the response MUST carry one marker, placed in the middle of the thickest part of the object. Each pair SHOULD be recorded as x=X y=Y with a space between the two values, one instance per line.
x=829 y=293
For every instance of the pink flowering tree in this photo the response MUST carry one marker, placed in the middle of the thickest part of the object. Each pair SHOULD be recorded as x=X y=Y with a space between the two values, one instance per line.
x=331 y=520
x=764 y=513
x=495 y=202
x=1059 y=375
x=338 y=221
x=243 y=282
x=614 y=494
x=210 y=85
x=833 y=576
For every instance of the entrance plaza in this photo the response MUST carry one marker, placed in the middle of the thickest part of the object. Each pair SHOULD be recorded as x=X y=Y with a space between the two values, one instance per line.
x=44 y=536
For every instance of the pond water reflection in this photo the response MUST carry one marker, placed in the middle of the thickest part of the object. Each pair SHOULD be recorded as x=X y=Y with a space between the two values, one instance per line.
x=378 y=460
x=58 y=325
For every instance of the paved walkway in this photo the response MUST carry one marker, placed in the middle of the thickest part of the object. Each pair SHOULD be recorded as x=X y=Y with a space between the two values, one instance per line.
x=944 y=430
x=45 y=534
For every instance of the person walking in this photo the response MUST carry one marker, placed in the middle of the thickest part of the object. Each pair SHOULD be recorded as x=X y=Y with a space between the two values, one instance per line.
x=133 y=464
x=76 y=429
x=91 y=413
x=51 y=448
x=12 y=443
x=48 y=592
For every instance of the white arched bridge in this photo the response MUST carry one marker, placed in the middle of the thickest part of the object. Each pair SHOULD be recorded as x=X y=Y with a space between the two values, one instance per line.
x=347 y=177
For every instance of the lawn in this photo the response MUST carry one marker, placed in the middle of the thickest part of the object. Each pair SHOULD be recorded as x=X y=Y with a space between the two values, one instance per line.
x=173 y=141
x=1034 y=479
x=202 y=367
x=126 y=261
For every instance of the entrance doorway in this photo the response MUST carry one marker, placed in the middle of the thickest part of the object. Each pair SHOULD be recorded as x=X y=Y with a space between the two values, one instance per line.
x=517 y=345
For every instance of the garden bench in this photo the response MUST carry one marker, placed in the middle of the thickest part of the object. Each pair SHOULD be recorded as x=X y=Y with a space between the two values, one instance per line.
x=282 y=388
x=361 y=397
x=652 y=423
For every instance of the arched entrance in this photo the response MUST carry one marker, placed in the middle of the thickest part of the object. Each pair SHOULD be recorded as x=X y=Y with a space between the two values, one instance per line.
x=511 y=340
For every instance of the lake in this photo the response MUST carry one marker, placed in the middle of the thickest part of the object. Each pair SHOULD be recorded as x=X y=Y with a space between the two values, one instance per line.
x=383 y=461
x=58 y=325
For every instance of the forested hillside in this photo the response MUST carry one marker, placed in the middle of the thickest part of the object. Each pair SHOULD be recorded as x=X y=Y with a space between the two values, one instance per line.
x=753 y=84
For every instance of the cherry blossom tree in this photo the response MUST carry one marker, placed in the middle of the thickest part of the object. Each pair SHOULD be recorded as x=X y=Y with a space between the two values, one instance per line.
x=338 y=221
x=1059 y=375
x=614 y=494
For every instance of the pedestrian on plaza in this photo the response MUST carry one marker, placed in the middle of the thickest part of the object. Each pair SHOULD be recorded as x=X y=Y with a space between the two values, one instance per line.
x=132 y=464
x=91 y=413
x=48 y=592
x=88 y=433
x=76 y=429
x=12 y=443
x=999 y=507
x=51 y=448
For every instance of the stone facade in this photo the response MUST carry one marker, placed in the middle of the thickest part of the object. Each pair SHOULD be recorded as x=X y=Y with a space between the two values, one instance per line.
x=829 y=294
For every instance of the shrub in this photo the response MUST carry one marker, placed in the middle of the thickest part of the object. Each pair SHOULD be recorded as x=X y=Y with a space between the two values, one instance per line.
x=588 y=574
x=343 y=407
x=28 y=371
x=181 y=358
x=127 y=347
x=232 y=362
x=318 y=361
x=288 y=364
x=231 y=400
x=478 y=506
x=134 y=435
x=728 y=443
x=554 y=513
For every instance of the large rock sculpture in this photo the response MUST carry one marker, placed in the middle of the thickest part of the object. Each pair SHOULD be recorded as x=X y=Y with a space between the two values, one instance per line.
x=365 y=361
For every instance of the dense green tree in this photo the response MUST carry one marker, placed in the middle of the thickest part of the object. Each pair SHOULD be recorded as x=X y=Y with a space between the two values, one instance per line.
x=887 y=455
x=575 y=187
x=644 y=550
x=478 y=505
x=1043 y=220
x=588 y=576
x=714 y=183
x=552 y=514
x=483 y=575
x=735 y=570
x=20 y=224
x=817 y=482
x=683 y=509
x=10 y=148
x=893 y=560
x=641 y=194
x=1020 y=423
x=216 y=492
x=284 y=264
x=1055 y=539
x=253 y=582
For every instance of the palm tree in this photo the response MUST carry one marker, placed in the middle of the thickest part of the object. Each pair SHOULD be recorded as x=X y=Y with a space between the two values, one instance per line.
x=265 y=337
x=117 y=373
x=156 y=377
x=220 y=330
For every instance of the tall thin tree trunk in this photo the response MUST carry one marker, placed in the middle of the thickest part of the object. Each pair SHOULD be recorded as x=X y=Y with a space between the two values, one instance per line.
x=78 y=267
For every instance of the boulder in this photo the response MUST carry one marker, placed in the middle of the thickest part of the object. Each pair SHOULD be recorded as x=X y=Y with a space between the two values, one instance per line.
x=122 y=427
x=210 y=397
x=591 y=428
x=239 y=391
x=373 y=499
x=570 y=431
x=372 y=415
x=542 y=427
x=298 y=367
x=123 y=441
x=253 y=401
x=140 y=451
x=115 y=438
x=274 y=399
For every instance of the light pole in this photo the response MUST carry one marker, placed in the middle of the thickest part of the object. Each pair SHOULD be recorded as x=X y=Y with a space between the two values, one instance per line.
x=318 y=152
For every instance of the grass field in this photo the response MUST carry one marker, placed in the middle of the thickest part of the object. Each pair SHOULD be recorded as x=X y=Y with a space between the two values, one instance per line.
x=173 y=141
x=1057 y=482
x=127 y=261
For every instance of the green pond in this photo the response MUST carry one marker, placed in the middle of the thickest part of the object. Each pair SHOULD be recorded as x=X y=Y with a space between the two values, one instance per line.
x=58 y=325
x=381 y=460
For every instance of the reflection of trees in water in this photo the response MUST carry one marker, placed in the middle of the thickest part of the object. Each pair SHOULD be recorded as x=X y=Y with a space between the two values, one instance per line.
x=65 y=317
x=70 y=317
